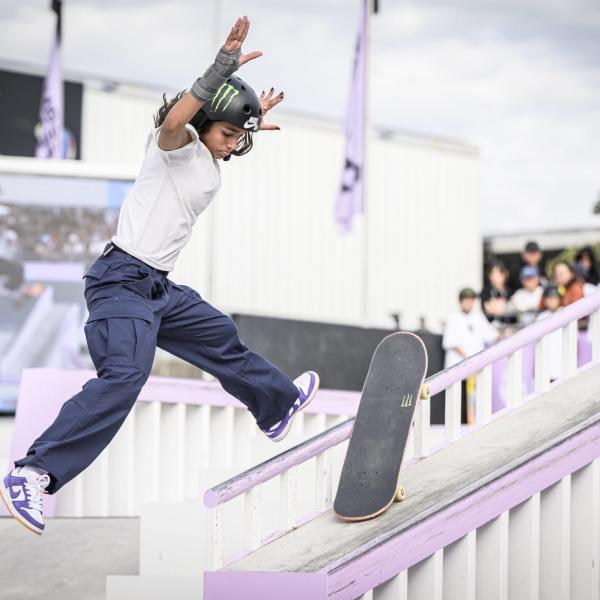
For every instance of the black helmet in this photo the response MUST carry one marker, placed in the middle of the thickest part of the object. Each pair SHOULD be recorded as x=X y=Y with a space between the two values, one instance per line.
x=236 y=103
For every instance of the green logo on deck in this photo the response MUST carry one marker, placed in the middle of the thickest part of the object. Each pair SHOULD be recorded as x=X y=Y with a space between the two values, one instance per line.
x=407 y=401
x=225 y=91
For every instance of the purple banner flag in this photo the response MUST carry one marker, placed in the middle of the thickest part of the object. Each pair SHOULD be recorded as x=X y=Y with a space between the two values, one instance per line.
x=350 y=197
x=49 y=131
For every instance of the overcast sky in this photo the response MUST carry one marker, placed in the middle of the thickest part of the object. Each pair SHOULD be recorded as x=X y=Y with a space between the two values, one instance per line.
x=519 y=79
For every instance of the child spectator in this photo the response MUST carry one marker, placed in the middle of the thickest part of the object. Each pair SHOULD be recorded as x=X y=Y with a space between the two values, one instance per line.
x=467 y=331
x=526 y=300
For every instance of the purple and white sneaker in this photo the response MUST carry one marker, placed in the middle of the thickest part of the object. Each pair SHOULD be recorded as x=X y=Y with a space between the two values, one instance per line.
x=307 y=384
x=22 y=491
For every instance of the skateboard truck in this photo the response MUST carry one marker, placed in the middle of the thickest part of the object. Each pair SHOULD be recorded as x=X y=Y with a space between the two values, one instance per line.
x=400 y=490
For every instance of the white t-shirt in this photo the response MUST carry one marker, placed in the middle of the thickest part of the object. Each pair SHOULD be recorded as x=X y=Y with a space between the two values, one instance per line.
x=523 y=300
x=468 y=331
x=172 y=189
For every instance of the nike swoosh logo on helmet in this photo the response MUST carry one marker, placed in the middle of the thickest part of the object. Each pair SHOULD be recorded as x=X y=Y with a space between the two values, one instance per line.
x=251 y=123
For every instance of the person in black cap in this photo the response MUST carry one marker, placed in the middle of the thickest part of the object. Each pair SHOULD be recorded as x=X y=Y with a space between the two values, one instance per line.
x=531 y=256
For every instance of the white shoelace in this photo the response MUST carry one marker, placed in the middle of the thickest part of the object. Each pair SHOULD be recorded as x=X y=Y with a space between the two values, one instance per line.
x=34 y=490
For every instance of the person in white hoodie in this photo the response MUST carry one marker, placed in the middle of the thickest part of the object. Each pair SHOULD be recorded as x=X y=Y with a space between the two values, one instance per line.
x=467 y=331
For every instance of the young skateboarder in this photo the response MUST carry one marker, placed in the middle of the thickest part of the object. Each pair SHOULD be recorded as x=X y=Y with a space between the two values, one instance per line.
x=134 y=307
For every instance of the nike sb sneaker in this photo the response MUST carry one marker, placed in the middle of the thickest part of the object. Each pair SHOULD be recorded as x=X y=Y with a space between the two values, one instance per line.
x=22 y=491
x=307 y=384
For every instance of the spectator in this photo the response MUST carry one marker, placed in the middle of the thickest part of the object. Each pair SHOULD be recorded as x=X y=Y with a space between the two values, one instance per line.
x=495 y=296
x=531 y=256
x=586 y=265
x=467 y=331
x=526 y=300
x=551 y=303
x=569 y=285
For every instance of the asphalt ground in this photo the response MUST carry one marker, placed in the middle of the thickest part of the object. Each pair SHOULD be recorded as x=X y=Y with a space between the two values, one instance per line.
x=70 y=561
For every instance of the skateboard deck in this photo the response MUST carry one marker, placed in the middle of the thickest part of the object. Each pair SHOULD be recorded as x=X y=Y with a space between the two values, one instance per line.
x=394 y=383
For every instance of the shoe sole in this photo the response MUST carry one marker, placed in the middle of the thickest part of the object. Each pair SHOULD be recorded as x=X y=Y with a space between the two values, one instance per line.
x=291 y=421
x=17 y=516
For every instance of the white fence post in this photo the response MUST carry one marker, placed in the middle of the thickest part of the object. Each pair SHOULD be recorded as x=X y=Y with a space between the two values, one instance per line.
x=542 y=365
x=483 y=396
x=288 y=495
x=585 y=532
x=460 y=568
x=324 y=480
x=422 y=426
x=214 y=542
x=426 y=579
x=252 y=521
x=452 y=414
x=514 y=379
x=524 y=550
x=569 y=349
x=394 y=589
x=595 y=335
x=121 y=466
x=492 y=559
x=147 y=452
x=555 y=541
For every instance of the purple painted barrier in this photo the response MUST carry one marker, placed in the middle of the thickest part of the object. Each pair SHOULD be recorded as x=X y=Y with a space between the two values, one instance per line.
x=43 y=391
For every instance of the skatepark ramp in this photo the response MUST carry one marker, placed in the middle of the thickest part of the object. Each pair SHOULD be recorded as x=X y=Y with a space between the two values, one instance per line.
x=508 y=508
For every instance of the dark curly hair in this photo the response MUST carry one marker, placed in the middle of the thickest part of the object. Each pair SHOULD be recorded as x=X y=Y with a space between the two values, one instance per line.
x=200 y=123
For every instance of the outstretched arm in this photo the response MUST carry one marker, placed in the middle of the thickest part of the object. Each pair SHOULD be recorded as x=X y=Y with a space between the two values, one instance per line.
x=173 y=134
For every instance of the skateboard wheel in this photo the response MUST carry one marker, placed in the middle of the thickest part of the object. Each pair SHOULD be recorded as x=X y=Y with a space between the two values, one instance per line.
x=424 y=392
x=400 y=494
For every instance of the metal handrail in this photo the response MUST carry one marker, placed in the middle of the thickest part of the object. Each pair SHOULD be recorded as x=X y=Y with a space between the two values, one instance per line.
x=308 y=449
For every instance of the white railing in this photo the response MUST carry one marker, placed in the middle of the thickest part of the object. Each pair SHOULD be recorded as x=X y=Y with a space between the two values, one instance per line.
x=270 y=512
x=181 y=437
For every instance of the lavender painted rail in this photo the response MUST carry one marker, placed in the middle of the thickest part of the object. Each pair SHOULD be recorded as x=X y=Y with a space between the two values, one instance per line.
x=444 y=380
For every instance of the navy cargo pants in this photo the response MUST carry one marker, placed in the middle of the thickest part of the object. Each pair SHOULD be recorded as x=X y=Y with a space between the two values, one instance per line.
x=134 y=308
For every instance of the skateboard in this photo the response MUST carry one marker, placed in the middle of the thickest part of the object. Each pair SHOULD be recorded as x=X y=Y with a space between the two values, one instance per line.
x=369 y=481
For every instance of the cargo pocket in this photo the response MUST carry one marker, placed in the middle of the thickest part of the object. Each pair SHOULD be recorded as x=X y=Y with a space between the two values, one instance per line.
x=121 y=334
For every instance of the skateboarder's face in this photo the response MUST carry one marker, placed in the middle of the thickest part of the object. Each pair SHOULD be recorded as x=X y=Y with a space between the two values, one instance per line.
x=221 y=138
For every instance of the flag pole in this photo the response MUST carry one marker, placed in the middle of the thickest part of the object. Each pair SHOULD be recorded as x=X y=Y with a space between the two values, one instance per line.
x=366 y=135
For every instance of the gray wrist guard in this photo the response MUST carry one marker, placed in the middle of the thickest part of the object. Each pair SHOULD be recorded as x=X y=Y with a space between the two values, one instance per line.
x=226 y=64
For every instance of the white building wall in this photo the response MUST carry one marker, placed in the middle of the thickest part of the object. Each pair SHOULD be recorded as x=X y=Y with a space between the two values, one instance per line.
x=269 y=244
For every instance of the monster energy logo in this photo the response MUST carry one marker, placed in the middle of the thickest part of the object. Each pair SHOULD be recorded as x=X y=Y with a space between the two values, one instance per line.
x=407 y=401
x=225 y=91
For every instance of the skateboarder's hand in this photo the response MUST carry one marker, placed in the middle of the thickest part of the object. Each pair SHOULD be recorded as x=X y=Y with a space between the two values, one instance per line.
x=236 y=38
x=268 y=101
